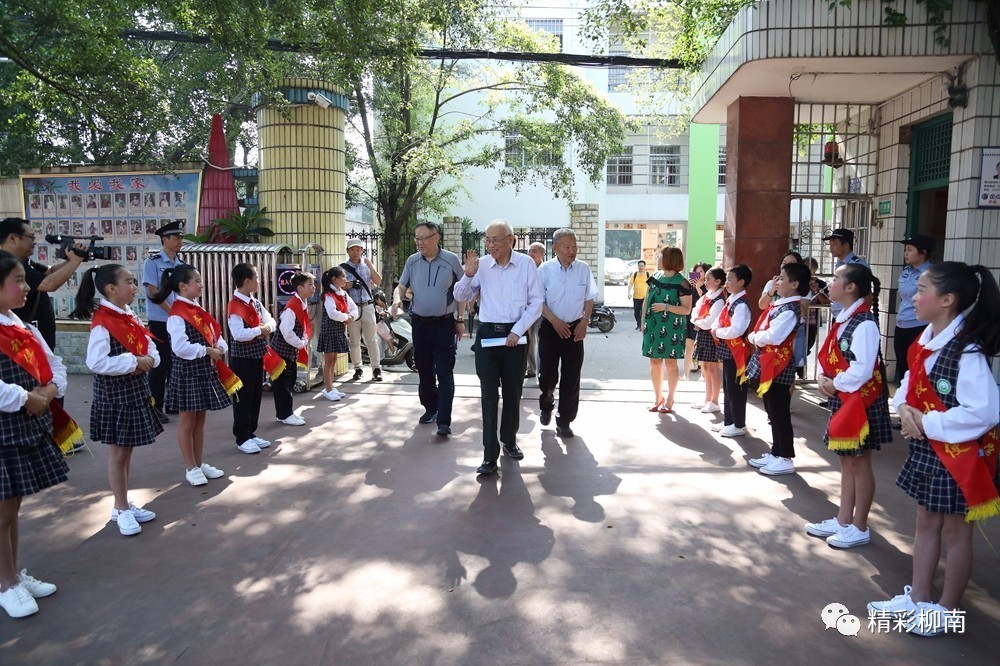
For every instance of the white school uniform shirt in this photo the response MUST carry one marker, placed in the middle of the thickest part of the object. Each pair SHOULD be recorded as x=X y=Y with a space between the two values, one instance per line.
x=331 y=308
x=566 y=289
x=707 y=322
x=12 y=396
x=507 y=294
x=238 y=328
x=738 y=323
x=864 y=344
x=976 y=392
x=780 y=327
x=99 y=348
x=179 y=342
x=286 y=326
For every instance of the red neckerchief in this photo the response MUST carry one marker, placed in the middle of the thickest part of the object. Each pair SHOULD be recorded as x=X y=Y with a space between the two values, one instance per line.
x=209 y=329
x=772 y=358
x=737 y=346
x=849 y=425
x=972 y=464
x=295 y=305
x=126 y=329
x=274 y=365
x=339 y=300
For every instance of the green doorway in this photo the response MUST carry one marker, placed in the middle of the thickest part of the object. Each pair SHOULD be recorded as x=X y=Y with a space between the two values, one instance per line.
x=930 y=160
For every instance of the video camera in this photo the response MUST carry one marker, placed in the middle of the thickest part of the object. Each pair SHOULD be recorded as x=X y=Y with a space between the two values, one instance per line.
x=65 y=244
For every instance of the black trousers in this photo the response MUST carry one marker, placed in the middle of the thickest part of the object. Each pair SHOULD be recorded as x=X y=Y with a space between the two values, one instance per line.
x=434 y=353
x=500 y=367
x=553 y=351
x=734 y=404
x=246 y=402
x=637 y=309
x=281 y=389
x=902 y=339
x=158 y=375
x=777 y=404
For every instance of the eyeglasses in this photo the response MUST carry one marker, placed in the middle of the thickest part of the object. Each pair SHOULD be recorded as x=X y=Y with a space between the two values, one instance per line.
x=421 y=239
x=28 y=236
x=495 y=241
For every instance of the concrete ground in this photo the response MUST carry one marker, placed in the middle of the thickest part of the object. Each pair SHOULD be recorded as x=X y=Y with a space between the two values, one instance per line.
x=365 y=539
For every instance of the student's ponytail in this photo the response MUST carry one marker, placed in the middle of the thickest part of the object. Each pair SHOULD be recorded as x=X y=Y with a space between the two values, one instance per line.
x=93 y=282
x=980 y=316
x=171 y=282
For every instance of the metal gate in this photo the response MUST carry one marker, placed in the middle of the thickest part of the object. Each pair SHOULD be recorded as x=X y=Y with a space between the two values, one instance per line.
x=815 y=216
x=523 y=238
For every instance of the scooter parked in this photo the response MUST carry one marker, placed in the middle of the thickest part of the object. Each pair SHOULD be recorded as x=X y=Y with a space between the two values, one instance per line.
x=602 y=318
x=395 y=336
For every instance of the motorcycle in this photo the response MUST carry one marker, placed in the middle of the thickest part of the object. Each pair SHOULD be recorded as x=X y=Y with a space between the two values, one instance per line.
x=602 y=318
x=395 y=336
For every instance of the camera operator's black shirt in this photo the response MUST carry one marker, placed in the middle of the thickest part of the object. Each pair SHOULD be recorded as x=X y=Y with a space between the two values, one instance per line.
x=43 y=314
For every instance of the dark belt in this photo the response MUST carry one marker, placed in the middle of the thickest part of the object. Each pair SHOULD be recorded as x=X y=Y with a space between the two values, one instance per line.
x=363 y=303
x=417 y=317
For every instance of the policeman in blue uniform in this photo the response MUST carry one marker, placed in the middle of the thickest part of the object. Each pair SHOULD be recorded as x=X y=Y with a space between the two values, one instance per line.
x=171 y=236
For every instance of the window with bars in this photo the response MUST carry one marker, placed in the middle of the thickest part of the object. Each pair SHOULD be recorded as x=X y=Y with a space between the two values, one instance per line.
x=519 y=153
x=620 y=168
x=552 y=26
x=722 y=166
x=617 y=76
x=665 y=166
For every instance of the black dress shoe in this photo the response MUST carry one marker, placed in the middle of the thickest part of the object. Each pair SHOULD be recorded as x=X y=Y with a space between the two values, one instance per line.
x=357 y=373
x=487 y=468
x=444 y=431
x=376 y=375
x=546 y=417
x=428 y=417
x=513 y=451
x=529 y=375
x=564 y=431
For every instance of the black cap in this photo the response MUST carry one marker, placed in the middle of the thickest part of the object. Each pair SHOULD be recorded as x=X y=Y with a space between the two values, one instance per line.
x=175 y=228
x=845 y=235
x=921 y=242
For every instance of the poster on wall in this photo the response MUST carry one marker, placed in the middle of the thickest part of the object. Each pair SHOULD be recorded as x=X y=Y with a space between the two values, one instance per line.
x=989 y=180
x=118 y=211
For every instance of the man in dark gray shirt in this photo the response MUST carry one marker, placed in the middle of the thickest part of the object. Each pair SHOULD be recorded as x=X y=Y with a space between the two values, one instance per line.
x=431 y=273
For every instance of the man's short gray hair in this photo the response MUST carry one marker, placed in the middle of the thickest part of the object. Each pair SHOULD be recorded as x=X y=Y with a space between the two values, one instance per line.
x=536 y=246
x=560 y=233
x=500 y=224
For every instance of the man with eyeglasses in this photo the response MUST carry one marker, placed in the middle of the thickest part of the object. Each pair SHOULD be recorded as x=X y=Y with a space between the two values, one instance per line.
x=431 y=274
x=510 y=300
x=19 y=239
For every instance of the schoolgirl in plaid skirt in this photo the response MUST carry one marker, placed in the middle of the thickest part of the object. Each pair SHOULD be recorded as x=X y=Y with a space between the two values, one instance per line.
x=704 y=315
x=855 y=337
x=122 y=413
x=338 y=311
x=291 y=341
x=30 y=460
x=948 y=404
x=194 y=387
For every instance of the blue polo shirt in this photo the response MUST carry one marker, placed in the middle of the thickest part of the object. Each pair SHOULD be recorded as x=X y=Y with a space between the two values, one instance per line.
x=433 y=282
x=152 y=274
x=907 y=315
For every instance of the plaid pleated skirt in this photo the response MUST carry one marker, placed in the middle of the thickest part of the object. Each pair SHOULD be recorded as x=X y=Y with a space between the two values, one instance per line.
x=879 y=428
x=706 y=349
x=194 y=386
x=332 y=337
x=25 y=470
x=122 y=411
x=925 y=479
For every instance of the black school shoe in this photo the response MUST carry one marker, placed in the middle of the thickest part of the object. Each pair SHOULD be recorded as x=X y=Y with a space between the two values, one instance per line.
x=357 y=373
x=487 y=468
x=376 y=375
x=513 y=451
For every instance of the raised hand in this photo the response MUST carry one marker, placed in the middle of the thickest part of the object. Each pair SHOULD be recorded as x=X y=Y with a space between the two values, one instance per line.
x=471 y=263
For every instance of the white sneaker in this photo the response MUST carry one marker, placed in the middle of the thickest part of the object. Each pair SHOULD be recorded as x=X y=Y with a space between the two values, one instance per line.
x=36 y=588
x=698 y=405
x=930 y=619
x=249 y=446
x=719 y=427
x=778 y=466
x=331 y=395
x=762 y=461
x=340 y=393
x=141 y=515
x=899 y=605
x=18 y=602
x=127 y=523
x=828 y=527
x=710 y=408
x=196 y=477
x=261 y=443
x=294 y=420
x=849 y=537
x=211 y=472
x=732 y=431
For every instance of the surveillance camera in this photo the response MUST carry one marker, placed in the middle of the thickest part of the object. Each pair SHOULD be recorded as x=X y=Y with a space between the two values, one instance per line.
x=320 y=99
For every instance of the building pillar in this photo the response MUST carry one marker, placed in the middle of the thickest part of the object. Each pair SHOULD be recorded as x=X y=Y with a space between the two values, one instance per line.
x=758 y=185
x=451 y=235
x=703 y=194
x=583 y=220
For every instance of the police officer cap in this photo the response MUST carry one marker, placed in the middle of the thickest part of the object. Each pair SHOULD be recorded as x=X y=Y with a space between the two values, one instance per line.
x=921 y=242
x=175 y=228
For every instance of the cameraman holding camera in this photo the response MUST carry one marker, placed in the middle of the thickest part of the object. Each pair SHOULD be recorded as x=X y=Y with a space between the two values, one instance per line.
x=17 y=237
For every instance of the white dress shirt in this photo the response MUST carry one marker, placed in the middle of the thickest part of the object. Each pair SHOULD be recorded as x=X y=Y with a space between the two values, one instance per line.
x=286 y=325
x=507 y=294
x=12 y=396
x=864 y=344
x=331 y=307
x=779 y=328
x=99 y=348
x=977 y=395
x=179 y=342
x=738 y=323
x=567 y=289
x=707 y=322
x=238 y=328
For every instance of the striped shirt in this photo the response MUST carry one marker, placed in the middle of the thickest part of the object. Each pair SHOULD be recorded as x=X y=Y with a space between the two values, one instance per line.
x=507 y=294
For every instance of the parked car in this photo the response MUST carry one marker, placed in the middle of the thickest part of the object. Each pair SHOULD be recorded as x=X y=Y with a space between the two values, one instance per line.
x=615 y=271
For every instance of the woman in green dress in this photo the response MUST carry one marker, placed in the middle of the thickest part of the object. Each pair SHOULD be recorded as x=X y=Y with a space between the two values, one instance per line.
x=667 y=305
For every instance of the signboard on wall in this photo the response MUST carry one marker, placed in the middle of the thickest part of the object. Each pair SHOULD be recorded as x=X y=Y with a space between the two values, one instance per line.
x=124 y=209
x=989 y=179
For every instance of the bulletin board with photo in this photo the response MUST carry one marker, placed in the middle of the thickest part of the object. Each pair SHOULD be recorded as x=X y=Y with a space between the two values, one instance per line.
x=123 y=210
